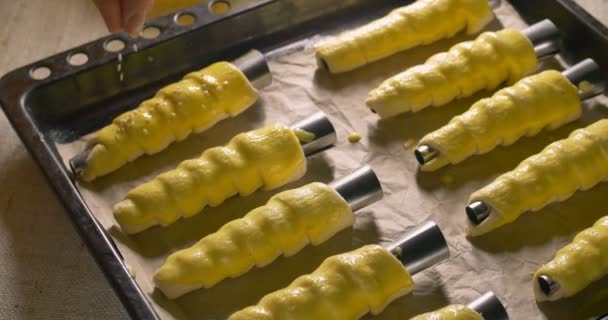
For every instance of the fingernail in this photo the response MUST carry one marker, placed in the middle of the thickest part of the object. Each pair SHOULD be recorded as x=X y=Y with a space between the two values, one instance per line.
x=134 y=25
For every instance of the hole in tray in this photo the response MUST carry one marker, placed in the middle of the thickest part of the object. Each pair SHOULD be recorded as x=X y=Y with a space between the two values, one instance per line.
x=40 y=72
x=114 y=45
x=78 y=58
x=220 y=7
x=185 y=19
x=150 y=32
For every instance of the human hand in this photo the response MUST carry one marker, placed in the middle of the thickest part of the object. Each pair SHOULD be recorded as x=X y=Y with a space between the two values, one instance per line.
x=124 y=15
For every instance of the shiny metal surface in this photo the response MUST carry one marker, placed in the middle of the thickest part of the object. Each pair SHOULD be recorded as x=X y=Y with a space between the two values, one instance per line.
x=490 y=307
x=424 y=154
x=421 y=248
x=547 y=285
x=255 y=67
x=324 y=133
x=603 y=317
x=546 y=50
x=541 y=32
x=589 y=71
x=360 y=188
x=79 y=162
x=477 y=212
x=545 y=36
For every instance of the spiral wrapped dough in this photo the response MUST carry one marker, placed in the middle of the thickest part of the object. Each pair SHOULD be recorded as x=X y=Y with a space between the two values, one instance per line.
x=344 y=287
x=423 y=22
x=468 y=67
x=452 y=312
x=546 y=100
x=268 y=157
x=578 y=264
x=162 y=7
x=288 y=222
x=578 y=162
x=194 y=104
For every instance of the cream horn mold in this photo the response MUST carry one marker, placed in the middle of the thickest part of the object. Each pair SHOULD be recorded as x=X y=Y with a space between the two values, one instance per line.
x=288 y=222
x=486 y=307
x=546 y=100
x=575 y=266
x=451 y=312
x=490 y=307
x=420 y=248
x=468 y=67
x=422 y=22
x=546 y=38
x=348 y=286
x=266 y=158
x=578 y=162
x=344 y=286
x=193 y=104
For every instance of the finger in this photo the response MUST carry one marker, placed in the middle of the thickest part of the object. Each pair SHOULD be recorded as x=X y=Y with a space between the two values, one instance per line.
x=134 y=13
x=110 y=12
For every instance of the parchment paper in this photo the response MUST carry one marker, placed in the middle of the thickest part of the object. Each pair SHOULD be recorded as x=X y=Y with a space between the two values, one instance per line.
x=501 y=261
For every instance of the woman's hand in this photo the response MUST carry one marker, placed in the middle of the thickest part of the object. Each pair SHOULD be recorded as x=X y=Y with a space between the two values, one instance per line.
x=124 y=15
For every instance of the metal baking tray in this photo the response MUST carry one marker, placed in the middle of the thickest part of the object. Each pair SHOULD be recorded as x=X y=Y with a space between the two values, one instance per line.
x=76 y=100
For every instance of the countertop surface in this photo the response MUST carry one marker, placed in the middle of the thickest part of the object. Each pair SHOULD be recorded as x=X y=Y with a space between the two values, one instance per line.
x=45 y=270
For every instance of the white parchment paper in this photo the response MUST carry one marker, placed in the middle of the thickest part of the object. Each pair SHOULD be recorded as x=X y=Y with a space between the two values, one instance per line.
x=502 y=261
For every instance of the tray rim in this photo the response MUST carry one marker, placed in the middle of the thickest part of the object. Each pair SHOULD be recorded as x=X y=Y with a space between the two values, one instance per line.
x=98 y=242
x=13 y=103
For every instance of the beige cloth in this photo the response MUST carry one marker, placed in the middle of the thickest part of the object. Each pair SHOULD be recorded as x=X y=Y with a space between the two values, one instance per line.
x=45 y=270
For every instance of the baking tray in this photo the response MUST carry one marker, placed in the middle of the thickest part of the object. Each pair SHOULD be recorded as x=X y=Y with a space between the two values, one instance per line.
x=76 y=100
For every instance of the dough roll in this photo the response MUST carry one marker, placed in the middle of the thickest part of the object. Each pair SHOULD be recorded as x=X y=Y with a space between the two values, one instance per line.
x=546 y=100
x=194 y=104
x=268 y=157
x=468 y=67
x=344 y=287
x=578 y=162
x=578 y=264
x=289 y=221
x=423 y=22
x=452 y=312
x=162 y=7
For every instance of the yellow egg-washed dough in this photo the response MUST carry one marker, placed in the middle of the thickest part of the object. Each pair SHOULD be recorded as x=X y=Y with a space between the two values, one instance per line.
x=268 y=157
x=344 y=287
x=452 y=312
x=578 y=162
x=288 y=222
x=194 y=104
x=546 y=100
x=578 y=264
x=423 y=22
x=162 y=7
x=468 y=67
